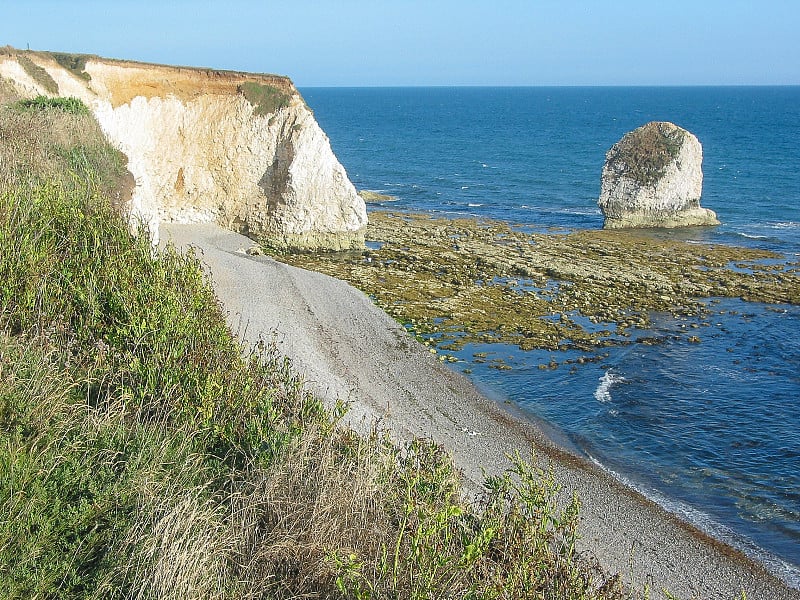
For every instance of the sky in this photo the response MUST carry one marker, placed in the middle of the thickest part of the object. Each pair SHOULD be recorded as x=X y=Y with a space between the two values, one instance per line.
x=445 y=42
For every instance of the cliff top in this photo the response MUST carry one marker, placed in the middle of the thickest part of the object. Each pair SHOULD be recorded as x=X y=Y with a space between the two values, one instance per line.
x=123 y=80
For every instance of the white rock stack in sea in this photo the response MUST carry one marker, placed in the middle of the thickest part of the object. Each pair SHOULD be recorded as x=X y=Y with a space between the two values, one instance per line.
x=653 y=177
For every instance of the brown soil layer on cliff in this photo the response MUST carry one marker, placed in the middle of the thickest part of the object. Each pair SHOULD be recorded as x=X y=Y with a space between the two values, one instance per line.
x=480 y=280
x=126 y=79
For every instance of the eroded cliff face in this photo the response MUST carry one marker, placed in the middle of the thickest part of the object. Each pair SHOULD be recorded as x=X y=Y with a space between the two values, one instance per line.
x=239 y=149
x=653 y=177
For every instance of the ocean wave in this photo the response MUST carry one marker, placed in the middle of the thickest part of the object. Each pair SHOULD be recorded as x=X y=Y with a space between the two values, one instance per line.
x=578 y=211
x=603 y=391
x=783 y=225
x=568 y=210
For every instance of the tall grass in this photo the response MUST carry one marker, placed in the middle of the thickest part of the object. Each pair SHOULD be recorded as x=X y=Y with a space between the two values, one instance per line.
x=143 y=454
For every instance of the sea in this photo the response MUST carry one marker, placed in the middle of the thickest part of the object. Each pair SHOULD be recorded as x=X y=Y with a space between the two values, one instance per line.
x=710 y=431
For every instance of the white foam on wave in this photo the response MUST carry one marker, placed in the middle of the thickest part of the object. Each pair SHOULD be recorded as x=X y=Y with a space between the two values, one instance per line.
x=577 y=211
x=474 y=205
x=603 y=391
x=783 y=225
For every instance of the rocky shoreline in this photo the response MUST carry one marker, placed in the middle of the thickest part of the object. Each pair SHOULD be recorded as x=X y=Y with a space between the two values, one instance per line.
x=350 y=351
x=468 y=280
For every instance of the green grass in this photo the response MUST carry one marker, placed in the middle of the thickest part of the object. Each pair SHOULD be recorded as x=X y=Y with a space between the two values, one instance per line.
x=144 y=454
x=38 y=74
x=265 y=99
x=113 y=408
x=73 y=106
x=74 y=63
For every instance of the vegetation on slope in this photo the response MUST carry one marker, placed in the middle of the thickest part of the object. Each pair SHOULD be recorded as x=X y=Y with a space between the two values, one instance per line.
x=37 y=73
x=39 y=103
x=74 y=63
x=265 y=99
x=143 y=454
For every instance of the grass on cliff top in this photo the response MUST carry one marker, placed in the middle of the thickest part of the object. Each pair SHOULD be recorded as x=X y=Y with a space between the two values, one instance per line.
x=74 y=63
x=144 y=455
x=265 y=99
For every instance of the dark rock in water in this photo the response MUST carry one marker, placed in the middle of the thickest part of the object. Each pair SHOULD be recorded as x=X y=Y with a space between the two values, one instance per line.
x=653 y=177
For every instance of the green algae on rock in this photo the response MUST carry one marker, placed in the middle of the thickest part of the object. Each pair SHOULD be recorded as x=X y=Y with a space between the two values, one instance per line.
x=373 y=196
x=472 y=280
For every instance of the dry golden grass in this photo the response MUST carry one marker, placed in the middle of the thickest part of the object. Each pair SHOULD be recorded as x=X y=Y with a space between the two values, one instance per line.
x=58 y=147
x=8 y=93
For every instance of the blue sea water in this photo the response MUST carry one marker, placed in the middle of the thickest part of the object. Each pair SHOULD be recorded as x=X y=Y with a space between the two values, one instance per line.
x=710 y=430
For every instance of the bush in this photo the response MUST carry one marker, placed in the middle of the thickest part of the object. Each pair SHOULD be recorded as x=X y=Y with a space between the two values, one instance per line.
x=265 y=99
x=74 y=63
x=124 y=421
x=73 y=106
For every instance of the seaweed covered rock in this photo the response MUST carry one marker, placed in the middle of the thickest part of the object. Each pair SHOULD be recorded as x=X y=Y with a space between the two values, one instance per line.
x=653 y=177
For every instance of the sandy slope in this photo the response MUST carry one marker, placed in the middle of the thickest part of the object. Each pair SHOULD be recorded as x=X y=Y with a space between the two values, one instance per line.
x=350 y=350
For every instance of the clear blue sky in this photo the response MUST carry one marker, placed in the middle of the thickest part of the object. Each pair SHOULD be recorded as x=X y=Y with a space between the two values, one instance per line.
x=447 y=42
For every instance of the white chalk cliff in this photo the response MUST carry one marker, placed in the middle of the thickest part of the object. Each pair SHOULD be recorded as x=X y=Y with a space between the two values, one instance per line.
x=653 y=177
x=242 y=150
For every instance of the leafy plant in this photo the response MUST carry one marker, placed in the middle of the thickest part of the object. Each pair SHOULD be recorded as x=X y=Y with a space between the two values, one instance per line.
x=123 y=421
x=265 y=99
x=74 y=63
x=73 y=106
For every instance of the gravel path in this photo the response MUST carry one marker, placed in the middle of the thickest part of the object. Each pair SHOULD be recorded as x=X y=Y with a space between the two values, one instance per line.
x=349 y=349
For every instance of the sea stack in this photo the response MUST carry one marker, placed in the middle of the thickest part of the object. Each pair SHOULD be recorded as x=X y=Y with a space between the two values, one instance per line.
x=653 y=177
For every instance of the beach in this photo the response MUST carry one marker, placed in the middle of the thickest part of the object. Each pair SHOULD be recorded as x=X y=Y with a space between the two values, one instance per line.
x=349 y=350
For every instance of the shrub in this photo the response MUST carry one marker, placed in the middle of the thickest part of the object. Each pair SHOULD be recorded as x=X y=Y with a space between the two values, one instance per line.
x=73 y=106
x=265 y=99
x=123 y=420
x=74 y=63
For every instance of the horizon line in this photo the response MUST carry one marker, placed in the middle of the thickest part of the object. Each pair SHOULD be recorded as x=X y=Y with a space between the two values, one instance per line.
x=556 y=85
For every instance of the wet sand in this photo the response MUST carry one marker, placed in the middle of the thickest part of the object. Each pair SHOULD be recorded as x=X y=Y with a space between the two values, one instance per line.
x=350 y=350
